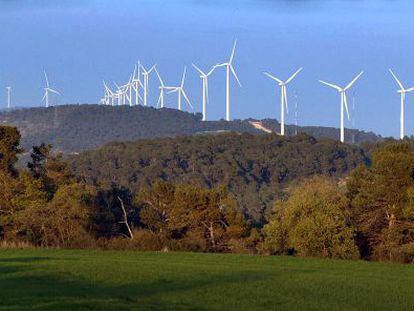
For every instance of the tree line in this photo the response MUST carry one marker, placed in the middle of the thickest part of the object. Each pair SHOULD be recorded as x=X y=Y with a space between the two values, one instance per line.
x=367 y=213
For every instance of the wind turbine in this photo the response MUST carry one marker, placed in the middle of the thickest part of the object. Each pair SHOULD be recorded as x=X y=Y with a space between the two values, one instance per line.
x=125 y=92
x=229 y=67
x=204 y=78
x=8 y=88
x=109 y=95
x=145 y=74
x=283 y=103
x=403 y=91
x=136 y=83
x=48 y=90
x=344 y=101
x=180 y=91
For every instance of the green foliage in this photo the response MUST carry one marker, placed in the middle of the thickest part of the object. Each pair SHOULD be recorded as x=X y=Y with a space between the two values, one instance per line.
x=9 y=148
x=191 y=218
x=382 y=203
x=255 y=169
x=314 y=221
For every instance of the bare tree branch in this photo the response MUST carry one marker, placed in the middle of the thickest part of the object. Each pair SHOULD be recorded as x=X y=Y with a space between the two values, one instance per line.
x=125 y=219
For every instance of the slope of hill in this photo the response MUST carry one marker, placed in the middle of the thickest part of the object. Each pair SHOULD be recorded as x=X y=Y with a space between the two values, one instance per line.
x=73 y=128
x=255 y=168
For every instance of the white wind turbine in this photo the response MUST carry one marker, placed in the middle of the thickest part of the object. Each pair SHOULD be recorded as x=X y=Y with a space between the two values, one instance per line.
x=125 y=92
x=403 y=91
x=145 y=74
x=8 y=88
x=204 y=78
x=48 y=90
x=119 y=95
x=283 y=103
x=344 y=101
x=109 y=96
x=136 y=83
x=229 y=67
x=180 y=91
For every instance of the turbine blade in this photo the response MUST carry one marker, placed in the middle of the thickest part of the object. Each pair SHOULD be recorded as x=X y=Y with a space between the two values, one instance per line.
x=410 y=89
x=54 y=91
x=183 y=78
x=211 y=71
x=353 y=81
x=331 y=85
x=152 y=68
x=273 y=77
x=186 y=98
x=235 y=75
x=293 y=76
x=346 y=105
x=47 y=80
x=396 y=79
x=135 y=70
x=159 y=77
x=199 y=70
x=233 y=51
x=172 y=91
x=285 y=96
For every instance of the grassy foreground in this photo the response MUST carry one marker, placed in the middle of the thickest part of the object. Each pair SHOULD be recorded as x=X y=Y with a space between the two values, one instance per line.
x=106 y=280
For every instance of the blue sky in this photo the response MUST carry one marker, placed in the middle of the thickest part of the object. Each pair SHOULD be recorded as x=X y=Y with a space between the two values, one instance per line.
x=79 y=43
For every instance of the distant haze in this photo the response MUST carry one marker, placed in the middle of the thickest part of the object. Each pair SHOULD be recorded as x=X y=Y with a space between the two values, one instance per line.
x=79 y=43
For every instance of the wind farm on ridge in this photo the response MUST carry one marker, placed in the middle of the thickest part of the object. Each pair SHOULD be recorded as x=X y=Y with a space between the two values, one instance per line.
x=136 y=91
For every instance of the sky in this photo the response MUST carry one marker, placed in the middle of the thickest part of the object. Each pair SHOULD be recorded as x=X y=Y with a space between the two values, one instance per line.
x=80 y=43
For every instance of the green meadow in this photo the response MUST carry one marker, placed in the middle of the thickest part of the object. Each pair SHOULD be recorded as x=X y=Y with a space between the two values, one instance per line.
x=120 y=280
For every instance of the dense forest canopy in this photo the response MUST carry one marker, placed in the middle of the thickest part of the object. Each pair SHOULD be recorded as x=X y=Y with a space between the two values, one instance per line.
x=255 y=168
x=202 y=193
x=72 y=128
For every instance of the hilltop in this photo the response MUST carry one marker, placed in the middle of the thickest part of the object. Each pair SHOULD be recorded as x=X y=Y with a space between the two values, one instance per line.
x=73 y=128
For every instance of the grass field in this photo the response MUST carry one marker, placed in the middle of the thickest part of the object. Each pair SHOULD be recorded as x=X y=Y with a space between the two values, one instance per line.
x=110 y=280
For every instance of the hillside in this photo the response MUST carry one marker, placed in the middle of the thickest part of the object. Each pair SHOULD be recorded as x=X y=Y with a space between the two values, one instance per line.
x=73 y=128
x=255 y=168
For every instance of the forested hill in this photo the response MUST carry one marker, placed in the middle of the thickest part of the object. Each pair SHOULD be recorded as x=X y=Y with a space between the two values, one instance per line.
x=255 y=168
x=72 y=128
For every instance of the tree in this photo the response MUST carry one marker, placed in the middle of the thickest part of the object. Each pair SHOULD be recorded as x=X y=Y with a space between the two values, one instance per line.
x=9 y=149
x=313 y=221
x=190 y=217
x=382 y=201
x=50 y=169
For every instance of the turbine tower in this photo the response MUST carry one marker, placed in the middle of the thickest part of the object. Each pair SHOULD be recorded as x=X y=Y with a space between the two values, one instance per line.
x=344 y=102
x=229 y=67
x=136 y=83
x=145 y=74
x=8 y=88
x=283 y=103
x=204 y=78
x=180 y=91
x=403 y=91
x=48 y=90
